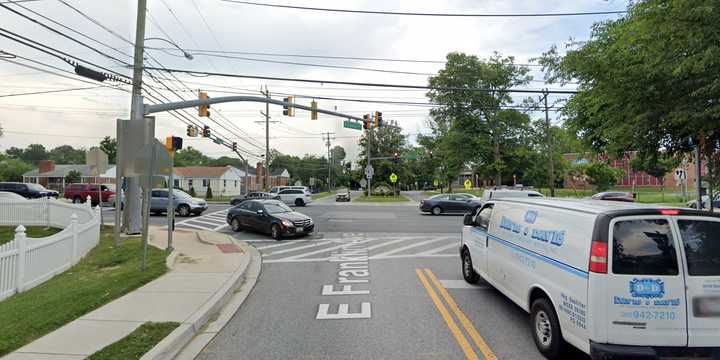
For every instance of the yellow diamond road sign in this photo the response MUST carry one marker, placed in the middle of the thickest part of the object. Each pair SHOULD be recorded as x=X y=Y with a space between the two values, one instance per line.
x=393 y=178
x=467 y=184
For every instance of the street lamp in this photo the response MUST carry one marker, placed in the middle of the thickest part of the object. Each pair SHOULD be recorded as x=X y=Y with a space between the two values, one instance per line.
x=185 y=53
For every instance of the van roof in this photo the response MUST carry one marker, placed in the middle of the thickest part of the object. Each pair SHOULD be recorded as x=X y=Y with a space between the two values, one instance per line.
x=586 y=205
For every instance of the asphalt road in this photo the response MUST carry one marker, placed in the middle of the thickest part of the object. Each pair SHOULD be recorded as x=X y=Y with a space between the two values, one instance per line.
x=403 y=273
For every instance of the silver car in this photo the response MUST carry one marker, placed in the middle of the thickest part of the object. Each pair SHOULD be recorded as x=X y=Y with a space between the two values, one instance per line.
x=184 y=203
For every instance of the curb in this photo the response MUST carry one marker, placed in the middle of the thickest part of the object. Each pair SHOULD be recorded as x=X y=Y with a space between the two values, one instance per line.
x=185 y=334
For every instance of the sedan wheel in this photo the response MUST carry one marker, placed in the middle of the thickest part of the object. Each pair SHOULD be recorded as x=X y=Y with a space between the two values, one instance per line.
x=235 y=225
x=436 y=210
x=275 y=232
x=77 y=200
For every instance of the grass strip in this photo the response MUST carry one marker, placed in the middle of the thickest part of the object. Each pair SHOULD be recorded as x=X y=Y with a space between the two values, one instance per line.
x=137 y=343
x=7 y=233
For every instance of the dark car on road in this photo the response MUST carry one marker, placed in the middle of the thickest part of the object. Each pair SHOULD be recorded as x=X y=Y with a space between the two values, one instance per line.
x=614 y=196
x=270 y=217
x=459 y=203
x=257 y=195
x=28 y=190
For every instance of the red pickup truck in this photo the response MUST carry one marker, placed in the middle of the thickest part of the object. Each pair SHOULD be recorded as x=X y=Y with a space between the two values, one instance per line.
x=78 y=193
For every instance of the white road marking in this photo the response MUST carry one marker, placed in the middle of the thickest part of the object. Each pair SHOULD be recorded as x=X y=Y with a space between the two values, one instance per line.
x=326 y=250
x=397 y=250
x=408 y=256
x=191 y=225
x=204 y=221
x=343 y=312
x=461 y=284
x=283 y=244
x=319 y=243
x=441 y=249
x=388 y=243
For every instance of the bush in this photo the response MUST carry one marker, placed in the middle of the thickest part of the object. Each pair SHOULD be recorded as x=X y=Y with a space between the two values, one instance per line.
x=602 y=175
x=208 y=193
x=192 y=192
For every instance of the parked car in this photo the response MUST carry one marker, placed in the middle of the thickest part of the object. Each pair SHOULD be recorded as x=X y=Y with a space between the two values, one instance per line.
x=271 y=217
x=508 y=193
x=459 y=203
x=277 y=189
x=615 y=196
x=295 y=197
x=28 y=190
x=342 y=195
x=305 y=189
x=186 y=204
x=611 y=279
x=257 y=195
x=705 y=202
x=10 y=196
x=78 y=193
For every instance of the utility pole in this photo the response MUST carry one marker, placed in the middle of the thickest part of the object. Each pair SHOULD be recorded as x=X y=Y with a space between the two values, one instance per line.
x=267 y=138
x=698 y=177
x=551 y=156
x=369 y=165
x=245 y=178
x=131 y=218
x=326 y=137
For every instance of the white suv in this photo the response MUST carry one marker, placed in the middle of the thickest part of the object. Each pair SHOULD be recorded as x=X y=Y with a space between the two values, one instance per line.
x=295 y=197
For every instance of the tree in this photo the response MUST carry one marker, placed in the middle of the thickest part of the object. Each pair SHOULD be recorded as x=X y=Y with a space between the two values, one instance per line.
x=66 y=154
x=602 y=175
x=109 y=146
x=648 y=80
x=13 y=169
x=33 y=154
x=656 y=165
x=384 y=142
x=73 y=177
x=190 y=156
x=208 y=193
x=476 y=124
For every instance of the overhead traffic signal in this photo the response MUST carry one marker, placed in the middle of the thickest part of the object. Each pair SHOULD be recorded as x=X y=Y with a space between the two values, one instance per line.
x=367 y=122
x=313 y=113
x=378 y=120
x=289 y=110
x=203 y=110
x=234 y=146
x=173 y=143
x=191 y=131
x=206 y=131
x=396 y=157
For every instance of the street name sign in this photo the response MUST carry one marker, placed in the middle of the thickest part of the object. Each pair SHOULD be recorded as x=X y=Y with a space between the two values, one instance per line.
x=352 y=125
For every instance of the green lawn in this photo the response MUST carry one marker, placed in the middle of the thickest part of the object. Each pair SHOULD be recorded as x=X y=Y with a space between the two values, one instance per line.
x=7 y=233
x=381 y=199
x=137 y=343
x=321 y=195
x=106 y=273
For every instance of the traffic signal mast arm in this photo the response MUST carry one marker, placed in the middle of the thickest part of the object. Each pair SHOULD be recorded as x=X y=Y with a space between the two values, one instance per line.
x=151 y=109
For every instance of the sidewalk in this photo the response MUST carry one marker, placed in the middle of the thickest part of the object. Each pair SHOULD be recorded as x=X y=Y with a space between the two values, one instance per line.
x=205 y=269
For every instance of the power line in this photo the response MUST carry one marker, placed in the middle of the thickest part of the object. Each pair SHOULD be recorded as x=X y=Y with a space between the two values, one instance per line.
x=50 y=91
x=375 y=12
x=317 y=81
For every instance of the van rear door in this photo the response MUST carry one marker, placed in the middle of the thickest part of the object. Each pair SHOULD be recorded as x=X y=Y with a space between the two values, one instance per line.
x=701 y=245
x=645 y=284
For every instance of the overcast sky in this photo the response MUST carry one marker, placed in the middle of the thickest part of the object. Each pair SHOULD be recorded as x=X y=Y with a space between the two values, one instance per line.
x=82 y=118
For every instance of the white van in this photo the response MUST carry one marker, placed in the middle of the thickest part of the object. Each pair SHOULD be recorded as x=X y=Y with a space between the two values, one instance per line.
x=609 y=278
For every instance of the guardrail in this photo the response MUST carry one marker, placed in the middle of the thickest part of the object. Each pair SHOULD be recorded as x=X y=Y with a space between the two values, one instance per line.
x=25 y=263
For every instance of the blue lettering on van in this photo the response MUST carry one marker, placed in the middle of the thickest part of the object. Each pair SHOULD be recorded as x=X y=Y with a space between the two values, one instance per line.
x=647 y=288
x=617 y=300
x=510 y=225
x=667 y=302
x=554 y=237
x=530 y=216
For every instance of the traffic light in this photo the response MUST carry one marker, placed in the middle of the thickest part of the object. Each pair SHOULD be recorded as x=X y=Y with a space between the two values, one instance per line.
x=234 y=146
x=206 y=131
x=396 y=157
x=366 y=122
x=173 y=143
x=203 y=110
x=190 y=131
x=289 y=110
x=378 y=120
x=313 y=113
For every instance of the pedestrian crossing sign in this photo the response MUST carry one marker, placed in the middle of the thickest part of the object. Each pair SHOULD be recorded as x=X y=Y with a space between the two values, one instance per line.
x=467 y=184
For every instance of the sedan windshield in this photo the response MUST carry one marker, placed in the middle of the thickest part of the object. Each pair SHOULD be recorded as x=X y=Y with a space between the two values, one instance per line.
x=37 y=187
x=277 y=208
x=181 y=194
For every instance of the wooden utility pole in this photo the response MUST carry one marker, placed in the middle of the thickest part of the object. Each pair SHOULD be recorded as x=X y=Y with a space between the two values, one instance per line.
x=548 y=139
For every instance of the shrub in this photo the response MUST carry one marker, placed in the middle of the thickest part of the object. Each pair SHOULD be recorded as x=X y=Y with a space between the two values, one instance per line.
x=208 y=193
x=192 y=191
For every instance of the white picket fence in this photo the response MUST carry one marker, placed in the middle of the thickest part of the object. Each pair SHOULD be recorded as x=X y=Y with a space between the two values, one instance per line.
x=25 y=263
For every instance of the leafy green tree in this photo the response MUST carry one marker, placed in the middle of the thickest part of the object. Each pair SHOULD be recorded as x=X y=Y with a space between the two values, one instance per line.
x=13 y=169
x=66 y=154
x=33 y=154
x=109 y=146
x=602 y=175
x=656 y=165
x=190 y=156
x=384 y=142
x=647 y=80
x=73 y=177
x=476 y=124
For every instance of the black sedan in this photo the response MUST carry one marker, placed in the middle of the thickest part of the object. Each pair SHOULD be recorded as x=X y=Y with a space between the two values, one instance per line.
x=257 y=195
x=450 y=204
x=270 y=217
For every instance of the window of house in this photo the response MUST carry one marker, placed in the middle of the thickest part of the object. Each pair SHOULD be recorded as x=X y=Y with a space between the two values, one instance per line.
x=224 y=183
x=190 y=182
x=235 y=183
x=206 y=182
x=176 y=183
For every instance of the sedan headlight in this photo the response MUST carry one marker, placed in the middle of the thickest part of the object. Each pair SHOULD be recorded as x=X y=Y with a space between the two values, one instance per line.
x=311 y=221
x=287 y=223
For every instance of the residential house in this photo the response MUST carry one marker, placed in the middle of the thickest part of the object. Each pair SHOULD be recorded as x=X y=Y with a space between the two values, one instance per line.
x=52 y=176
x=225 y=180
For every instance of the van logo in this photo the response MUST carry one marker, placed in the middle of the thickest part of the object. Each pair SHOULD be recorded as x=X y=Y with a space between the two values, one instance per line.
x=531 y=216
x=647 y=288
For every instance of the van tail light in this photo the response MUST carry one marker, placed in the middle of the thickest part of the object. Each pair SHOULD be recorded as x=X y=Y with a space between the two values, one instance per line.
x=599 y=257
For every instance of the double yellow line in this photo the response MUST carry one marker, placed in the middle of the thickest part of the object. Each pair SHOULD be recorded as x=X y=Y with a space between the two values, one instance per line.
x=470 y=353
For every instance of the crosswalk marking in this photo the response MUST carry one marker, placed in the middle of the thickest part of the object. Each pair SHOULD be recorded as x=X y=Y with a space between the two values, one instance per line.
x=213 y=221
x=384 y=247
